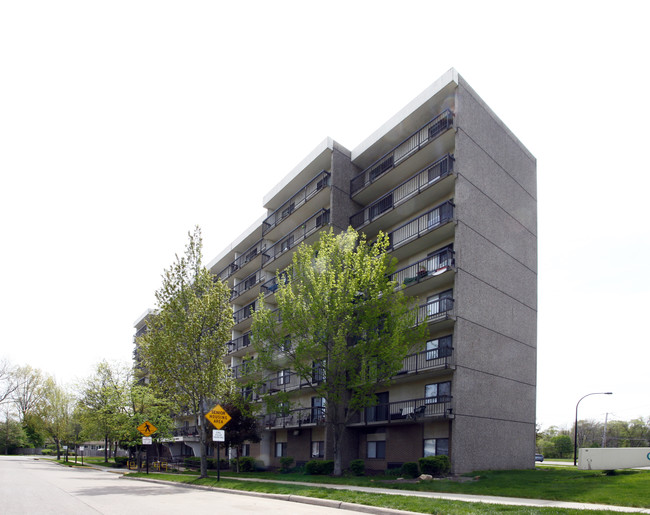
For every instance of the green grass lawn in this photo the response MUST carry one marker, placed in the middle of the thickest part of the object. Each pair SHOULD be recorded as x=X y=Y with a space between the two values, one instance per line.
x=416 y=504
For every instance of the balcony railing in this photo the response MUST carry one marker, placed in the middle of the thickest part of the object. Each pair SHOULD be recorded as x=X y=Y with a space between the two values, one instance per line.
x=435 y=310
x=242 y=314
x=408 y=410
x=405 y=149
x=295 y=418
x=248 y=255
x=426 y=360
x=300 y=233
x=245 y=284
x=186 y=431
x=239 y=371
x=415 y=228
x=271 y=285
x=427 y=267
x=284 y=211
x=421 y=180
x=240 y=342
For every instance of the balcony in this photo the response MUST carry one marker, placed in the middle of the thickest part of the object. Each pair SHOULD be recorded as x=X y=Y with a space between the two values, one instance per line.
x=243 y=262
x=295 y=418
x=270 y=286
x=411 y=145
x=425 y=361
x=435 y=311
x=291 y=206
x=244 y=286
x=415 y=229
x=243 y=314
x=407 y=411
x=186 y=434
x=299 y=234
x=428 y=270
x=239 y=371
x=405 y=192
x=239 y=343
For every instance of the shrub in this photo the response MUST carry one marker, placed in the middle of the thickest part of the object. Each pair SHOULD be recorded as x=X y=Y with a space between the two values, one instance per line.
x=120 y=461
x=246 y=464
x=358 y=467
x=192 y=461
x=410 y=469
x=47 y=452
x=319 y=467
x=435 y=465
x=285 y=463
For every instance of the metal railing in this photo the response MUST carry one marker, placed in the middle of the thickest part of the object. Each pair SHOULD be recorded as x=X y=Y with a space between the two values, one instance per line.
x=424 y=223
x=435 y=310
x=241 y=342
x=300 y=233
x=405 y=149
x=426 y=360
x=421 y=180
x=242 y=314
x=186 y=431
x=239 y=371
x=284 y=211
x=411 y=409
x=248 y=255
x=295 y=418
x=245 y=284
x=427 y=267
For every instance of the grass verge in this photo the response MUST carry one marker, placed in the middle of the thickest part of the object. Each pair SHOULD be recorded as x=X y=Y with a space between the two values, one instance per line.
x=415 y=504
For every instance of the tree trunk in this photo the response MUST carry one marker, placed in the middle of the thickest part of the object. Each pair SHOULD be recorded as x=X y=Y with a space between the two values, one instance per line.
x=106 y=449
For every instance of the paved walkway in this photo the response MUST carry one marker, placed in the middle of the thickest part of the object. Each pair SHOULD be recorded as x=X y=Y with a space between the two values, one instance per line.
x=488 y=499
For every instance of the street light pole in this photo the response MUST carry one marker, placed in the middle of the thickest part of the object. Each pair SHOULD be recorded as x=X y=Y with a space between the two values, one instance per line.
x=575 y=428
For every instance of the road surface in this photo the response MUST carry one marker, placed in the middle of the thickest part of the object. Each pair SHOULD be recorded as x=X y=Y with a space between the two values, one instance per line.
x=29 y=485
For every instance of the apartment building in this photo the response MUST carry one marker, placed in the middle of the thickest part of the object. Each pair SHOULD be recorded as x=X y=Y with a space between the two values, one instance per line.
x=455 y=191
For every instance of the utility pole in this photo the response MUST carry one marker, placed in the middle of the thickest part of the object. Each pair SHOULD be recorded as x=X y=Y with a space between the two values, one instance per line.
x=604 y=443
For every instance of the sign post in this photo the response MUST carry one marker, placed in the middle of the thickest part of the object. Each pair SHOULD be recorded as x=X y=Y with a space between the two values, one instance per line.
x=219 y=418
x=81 y=450
x=147 y=429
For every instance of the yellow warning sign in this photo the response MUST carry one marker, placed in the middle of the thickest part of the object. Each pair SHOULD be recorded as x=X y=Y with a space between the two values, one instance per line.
x=147 y=428
x=218 y=416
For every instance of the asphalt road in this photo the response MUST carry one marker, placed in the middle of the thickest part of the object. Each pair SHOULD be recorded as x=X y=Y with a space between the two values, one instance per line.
x=28 y=485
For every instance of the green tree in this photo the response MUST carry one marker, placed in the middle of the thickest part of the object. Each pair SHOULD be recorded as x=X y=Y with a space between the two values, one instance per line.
x=185 y=343
x=29 y=399
x=56 y=414
x=349 y=328
x=562 y=445
x=12 y=435
x=243 y=426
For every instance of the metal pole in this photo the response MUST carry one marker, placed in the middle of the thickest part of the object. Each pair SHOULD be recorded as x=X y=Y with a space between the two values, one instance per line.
x=218 y=462
x=604 y=444
x=575 y=428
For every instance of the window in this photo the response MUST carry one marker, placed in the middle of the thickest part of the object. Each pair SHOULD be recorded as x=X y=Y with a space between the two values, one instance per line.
x=440 y=258
x=246 y=449
x=284 y=376
x=250 y=282
x=379 y=207
x=439 y=303
x=286 y=244
x=318 y=409
x=433 y=218
x=323 y=219
x=379 y=411
x=318 y=449
x=280 y=449
x=437 y=392
x=318 y=371
x=288 y=210
x=322 y=183
x=376 y=450
x=439 y=348
x=436 y=446
x=251 y=255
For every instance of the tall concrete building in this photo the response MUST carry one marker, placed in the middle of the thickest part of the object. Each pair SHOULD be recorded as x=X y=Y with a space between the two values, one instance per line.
x=455 y=191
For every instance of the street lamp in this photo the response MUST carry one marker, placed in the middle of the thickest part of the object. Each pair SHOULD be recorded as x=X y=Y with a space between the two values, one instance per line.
x=575 y=428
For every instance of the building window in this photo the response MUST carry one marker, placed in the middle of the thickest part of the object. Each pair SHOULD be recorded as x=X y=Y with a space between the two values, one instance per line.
x=318 y=409
x=286 y=244
x=439 y=303
x=376 y=450
x=280 y=449
x=437 y=392
x=318 y=371
x=284 y=376
x=318 y=449
x=436 y=446
x=439 y=348
x=246 y=449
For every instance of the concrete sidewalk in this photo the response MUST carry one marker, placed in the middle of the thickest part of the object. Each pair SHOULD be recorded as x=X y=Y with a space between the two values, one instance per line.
x=488 y=499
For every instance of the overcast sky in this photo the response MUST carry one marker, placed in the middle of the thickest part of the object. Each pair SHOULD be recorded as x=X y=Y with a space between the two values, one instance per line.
x=123 y=124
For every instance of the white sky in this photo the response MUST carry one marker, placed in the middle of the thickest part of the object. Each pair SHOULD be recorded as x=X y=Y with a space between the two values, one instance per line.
x=125 y=123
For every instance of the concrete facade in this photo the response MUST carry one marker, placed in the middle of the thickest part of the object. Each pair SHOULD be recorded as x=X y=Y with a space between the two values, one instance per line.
x=456 y=192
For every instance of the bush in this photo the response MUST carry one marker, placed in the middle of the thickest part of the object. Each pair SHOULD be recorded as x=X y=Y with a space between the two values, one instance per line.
x=410 y=469
x=120 y=461
x=358 y=467
x=47 y=452
x=246 y=464
x=192 y=461
x=319 y=467
x=285 y=463
x=435 y=465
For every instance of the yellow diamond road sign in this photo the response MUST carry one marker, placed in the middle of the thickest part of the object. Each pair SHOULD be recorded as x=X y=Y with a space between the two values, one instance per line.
x=218 y=416
x=147 y=428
